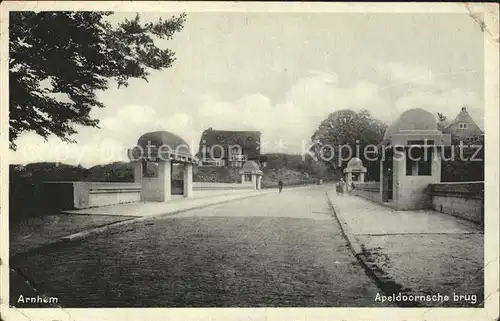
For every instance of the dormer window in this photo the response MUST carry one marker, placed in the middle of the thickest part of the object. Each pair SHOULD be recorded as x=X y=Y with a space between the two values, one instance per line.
x=463 y=125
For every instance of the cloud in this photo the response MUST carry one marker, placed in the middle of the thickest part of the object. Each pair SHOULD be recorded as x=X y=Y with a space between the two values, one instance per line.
x=108 y=144
x=292 y=120
x=296 y=117
x=429 y=90
x=408 y=74
x=33 y=148
x=448 y=102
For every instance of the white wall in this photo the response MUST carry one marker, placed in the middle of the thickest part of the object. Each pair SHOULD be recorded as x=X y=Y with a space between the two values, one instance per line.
x=410 y=192
x=197 y=186
x=94 y=194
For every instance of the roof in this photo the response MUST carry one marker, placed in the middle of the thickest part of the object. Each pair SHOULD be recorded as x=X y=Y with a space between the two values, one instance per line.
x=444 y=126
x=249 y=141
x=166 y=139
x=355 y=165
x=250 y=167
x=464 y=117
x=413 y=119
x=355 y=162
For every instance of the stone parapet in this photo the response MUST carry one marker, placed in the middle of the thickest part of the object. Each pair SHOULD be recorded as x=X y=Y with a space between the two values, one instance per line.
x=464 y=200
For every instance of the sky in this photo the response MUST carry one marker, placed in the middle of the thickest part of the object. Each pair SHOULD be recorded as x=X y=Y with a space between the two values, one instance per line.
x=282 y=74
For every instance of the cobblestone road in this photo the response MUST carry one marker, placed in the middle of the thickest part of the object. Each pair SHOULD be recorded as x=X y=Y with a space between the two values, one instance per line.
x=274 y=250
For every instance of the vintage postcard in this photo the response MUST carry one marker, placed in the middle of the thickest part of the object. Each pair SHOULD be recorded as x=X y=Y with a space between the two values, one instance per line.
x=249 y=161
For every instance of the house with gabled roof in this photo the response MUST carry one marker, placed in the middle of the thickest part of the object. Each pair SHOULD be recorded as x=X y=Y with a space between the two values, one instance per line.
x=463 y=129
x=229 y=148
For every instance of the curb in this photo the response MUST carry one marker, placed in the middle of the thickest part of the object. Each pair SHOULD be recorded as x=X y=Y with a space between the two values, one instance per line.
x=388 y=288
x=103 y=228
x=354 y=245
x=106 y=227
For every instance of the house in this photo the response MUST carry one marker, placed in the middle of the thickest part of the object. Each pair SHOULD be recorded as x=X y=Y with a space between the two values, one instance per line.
x=463 y=129
x=229 y=148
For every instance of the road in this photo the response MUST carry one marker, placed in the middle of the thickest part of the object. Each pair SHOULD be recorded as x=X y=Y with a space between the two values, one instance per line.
x=275 y=250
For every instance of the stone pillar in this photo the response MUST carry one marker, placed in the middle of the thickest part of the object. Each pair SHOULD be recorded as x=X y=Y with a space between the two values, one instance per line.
x=381 y=175
x=361 y=177
x=188 y=180
x=242 y=178
x=254 y=180
x=400 y=186
x=164 y=180
x=137 y=171
x=348 y=181
x=436 y=165
x=259 y=179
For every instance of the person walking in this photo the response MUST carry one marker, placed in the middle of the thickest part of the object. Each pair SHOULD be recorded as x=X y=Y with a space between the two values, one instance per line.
x=341 y=187
x=280 y=185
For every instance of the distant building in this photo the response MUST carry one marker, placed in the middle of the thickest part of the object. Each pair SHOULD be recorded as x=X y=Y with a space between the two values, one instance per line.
x=463 y=129
x=229 y=148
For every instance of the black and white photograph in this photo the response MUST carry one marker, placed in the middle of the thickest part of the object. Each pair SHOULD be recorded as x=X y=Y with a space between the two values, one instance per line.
x=258 y=156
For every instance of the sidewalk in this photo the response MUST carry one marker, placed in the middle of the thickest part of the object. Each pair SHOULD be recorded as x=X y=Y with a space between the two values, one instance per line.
x=176 y=204
x=35 y=232
x=415 y=252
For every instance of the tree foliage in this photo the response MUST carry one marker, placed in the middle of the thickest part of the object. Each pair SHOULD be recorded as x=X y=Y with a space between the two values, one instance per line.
x=346 y=128
x=441 y=117
x=59 y=60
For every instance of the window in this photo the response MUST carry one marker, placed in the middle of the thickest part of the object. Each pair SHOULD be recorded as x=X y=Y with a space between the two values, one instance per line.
x=425 y=165
x=463 y=125
x=420 y=142
x=149 y=169
x=419 y=162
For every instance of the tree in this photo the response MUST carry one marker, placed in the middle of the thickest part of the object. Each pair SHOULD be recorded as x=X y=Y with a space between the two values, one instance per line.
x=58 y=60
x=285 y=160
x=346 y=128
x=441 y=117
x=316 y=168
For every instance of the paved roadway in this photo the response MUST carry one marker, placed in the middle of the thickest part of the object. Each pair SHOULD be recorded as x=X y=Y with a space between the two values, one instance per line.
x=275 y=250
